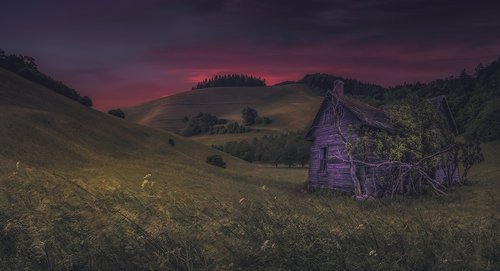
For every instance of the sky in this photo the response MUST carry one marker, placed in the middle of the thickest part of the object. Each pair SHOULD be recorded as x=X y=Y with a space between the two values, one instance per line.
x=123 y=53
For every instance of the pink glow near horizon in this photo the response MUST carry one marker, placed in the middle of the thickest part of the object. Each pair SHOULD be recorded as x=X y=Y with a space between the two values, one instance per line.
x=126 y=54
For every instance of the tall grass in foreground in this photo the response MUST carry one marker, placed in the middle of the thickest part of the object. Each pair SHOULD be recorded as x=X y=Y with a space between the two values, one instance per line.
x=274 y=236
x=53 y=223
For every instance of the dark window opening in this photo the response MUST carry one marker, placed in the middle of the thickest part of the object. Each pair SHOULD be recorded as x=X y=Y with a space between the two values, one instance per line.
x=323 y=159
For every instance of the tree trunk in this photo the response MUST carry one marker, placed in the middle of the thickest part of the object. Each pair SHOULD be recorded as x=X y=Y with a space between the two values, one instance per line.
x=354 y=177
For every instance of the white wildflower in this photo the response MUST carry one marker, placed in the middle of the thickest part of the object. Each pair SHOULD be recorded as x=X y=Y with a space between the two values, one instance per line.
x=144 y=183
x=265 y=245
x=373 y=253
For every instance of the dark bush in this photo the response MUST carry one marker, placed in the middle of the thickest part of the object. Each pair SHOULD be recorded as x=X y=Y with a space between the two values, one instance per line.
x=171 y=142
x=117 y=113
x=216 y=160
x=266 y=120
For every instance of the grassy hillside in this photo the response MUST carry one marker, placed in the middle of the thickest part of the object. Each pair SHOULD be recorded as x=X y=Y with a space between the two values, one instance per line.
x=72 y=198
x=291 y=107
x=46 y=130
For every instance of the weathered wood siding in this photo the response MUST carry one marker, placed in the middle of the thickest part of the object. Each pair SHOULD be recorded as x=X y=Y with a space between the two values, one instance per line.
x=337 y=173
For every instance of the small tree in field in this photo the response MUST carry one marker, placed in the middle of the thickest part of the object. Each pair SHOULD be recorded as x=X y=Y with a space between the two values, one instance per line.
x=249 y=116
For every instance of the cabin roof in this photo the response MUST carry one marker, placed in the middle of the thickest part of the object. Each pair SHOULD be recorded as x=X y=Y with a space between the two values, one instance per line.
x=367 y=114
x=372 y=116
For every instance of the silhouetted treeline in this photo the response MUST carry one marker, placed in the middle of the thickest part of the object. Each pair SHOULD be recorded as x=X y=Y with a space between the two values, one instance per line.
x=474 y=98
x=289 y=149
x=205 y=123
x=320 y=83
x=231 y=80
x=26 y=67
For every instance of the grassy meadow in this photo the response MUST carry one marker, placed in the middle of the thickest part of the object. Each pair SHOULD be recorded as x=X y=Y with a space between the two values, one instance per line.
x=82 y=190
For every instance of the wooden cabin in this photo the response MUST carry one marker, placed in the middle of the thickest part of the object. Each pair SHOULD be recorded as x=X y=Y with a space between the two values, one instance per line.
x=325 y=170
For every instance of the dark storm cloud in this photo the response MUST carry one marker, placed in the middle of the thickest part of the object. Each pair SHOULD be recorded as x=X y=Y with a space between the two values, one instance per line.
x=155 y=47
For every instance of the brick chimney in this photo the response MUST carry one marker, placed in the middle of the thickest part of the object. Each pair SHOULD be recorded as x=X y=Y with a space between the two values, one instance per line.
x=338 y=88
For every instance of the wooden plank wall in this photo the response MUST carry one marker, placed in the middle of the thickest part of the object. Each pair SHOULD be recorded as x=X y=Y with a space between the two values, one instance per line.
x=337 y=174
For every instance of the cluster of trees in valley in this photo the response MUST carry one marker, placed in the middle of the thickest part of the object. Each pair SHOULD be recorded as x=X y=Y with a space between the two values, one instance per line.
x=231 y=80
x=474 y=98
x=205 y=123
x=289 y=149
x=26 y=67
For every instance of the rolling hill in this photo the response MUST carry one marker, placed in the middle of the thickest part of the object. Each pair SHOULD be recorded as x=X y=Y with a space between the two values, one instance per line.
x=43 y=129
x=291 y=107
